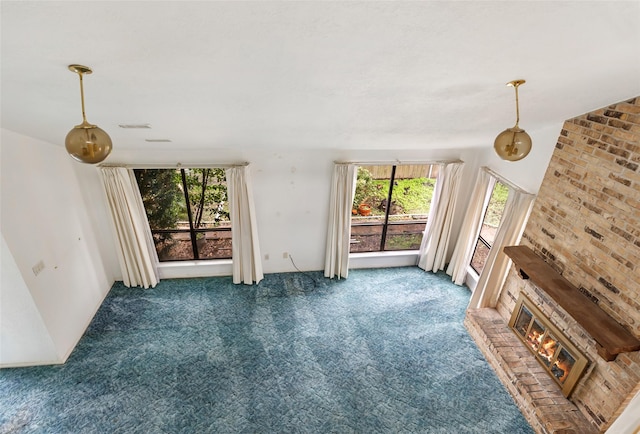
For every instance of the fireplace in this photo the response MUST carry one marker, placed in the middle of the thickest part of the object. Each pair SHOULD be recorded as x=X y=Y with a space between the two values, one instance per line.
x=560 y=359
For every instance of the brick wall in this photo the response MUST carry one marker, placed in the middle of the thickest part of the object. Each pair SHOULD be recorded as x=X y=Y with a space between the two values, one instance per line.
x=586 y=224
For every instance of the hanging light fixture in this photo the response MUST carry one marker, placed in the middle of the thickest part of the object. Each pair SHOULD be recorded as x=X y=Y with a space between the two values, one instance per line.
x=514 y=143
x=86 y=142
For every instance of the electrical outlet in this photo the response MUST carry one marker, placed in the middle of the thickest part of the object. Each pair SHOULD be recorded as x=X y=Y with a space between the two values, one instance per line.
x=285 y=255
x=266 y=256
x=37 y=269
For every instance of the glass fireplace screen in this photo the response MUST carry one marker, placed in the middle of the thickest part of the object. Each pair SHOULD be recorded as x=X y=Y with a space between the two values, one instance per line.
x=562 y=361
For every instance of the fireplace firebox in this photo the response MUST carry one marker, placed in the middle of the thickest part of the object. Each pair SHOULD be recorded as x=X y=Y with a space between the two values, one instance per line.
x=561 y=359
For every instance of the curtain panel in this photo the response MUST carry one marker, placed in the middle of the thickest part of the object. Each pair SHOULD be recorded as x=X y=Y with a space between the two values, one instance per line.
x=471 y=226
x=343 y=186
x=136 y=251
x=514 y=218
x=437 y=234
x=245 y=248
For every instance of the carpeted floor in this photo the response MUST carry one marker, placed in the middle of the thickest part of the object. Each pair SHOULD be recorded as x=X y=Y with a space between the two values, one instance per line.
x=383 y=351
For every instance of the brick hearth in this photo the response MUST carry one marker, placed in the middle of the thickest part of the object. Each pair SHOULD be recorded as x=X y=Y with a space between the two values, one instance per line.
x=539 y=398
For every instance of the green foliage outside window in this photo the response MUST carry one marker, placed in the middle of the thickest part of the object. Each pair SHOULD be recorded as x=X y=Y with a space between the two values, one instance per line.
x=207 y=196
x=365 y=188
x=162 y=192
x=412 y=196
x=162 y=196
x=496 y=205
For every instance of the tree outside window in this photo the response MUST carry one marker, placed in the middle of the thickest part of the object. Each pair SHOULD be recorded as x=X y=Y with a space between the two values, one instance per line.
x=187 y=211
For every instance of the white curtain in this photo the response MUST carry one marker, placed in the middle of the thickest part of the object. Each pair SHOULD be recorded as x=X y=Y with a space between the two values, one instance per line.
x=245 y=249
x=435 y=242
x=136 y=253
x=515 y=215
x=471 y=225
x=339 y=230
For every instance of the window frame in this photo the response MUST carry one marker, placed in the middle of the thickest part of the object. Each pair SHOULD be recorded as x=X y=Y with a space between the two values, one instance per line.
x=386 y=224
x=192 y=231
x=480 y=239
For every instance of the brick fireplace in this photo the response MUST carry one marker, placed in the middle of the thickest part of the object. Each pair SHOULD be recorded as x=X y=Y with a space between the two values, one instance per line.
x=585 y=224
x=564 y=363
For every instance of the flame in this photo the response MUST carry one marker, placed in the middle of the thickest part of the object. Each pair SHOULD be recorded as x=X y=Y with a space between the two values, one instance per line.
x=565 y=366
x=546 y=350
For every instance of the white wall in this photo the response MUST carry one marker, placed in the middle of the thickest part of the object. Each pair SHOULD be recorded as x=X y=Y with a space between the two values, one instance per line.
x=101 y=235
x=45 y=217
x=24 y=338
x=292 y=196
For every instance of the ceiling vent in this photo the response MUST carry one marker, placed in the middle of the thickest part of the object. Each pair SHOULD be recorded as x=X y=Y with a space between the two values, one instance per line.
x=135 y=126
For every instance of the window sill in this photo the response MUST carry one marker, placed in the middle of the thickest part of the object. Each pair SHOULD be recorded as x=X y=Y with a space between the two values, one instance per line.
x=404 y=258
x=471 y=280
x=184 y=269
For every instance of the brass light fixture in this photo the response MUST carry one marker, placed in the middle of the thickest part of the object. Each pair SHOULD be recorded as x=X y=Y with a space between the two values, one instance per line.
x=514 y=143
x=87 y=143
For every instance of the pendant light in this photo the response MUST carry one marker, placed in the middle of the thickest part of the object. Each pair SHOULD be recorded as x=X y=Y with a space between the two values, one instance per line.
x=86 y=142
x=514 y=143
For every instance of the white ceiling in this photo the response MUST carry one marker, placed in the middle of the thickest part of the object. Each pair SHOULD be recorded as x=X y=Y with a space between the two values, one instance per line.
x=313 y=75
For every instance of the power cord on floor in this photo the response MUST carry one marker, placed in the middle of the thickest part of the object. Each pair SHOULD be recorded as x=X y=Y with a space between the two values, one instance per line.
x=315 y=282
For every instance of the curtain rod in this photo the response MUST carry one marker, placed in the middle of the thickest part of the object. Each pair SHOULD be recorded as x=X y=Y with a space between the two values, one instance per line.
x=176 y=166
x=396 y=162
x=504 y=180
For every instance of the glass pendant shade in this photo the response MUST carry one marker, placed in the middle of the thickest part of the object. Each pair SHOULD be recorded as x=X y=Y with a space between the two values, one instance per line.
x=512 y=144
x=87 y=143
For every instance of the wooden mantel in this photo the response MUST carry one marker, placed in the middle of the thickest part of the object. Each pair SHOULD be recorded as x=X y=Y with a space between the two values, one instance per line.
x=611 y=337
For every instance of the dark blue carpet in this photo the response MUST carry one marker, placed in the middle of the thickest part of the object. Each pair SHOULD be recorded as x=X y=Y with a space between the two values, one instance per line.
x=384 y=351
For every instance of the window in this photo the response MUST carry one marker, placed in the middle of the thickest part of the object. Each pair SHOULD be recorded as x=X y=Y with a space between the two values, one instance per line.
x=490 y=223
x=187 y=211
x=391 y=206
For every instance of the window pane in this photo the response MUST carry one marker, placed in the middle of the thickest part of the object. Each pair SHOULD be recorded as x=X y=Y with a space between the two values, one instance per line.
x=412 y=191
x=490 y=224
x=207 y=197
x=214 y=244
x=207 y=191
x=410 y=202
x=406 y=213
x=166 y=208
x=173 y=246
x=161 y=192
x=479 y=257
x=372 y=188
x=367 y=216
x=365 y=237
x=165 y=200
x=494 y=212
x=404 y=236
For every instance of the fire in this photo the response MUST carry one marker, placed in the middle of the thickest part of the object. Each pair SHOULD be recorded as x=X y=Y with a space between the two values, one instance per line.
x=545 y=348
x=565 y=367
x=534 y=339
x=550 y=347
